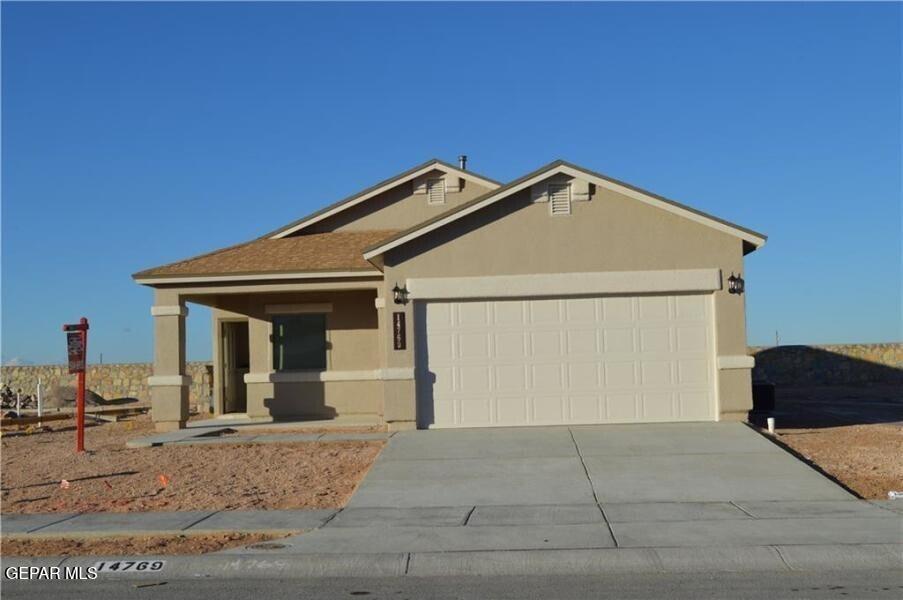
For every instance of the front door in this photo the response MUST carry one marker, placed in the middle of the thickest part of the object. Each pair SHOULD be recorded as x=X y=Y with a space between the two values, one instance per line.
x=236 y=363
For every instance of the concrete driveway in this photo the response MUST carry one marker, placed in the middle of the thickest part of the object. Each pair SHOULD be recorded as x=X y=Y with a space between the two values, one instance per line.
x=695 y=462
x=597 y=487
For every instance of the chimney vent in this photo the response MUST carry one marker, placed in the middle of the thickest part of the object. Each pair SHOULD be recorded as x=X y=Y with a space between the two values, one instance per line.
x=462 y=162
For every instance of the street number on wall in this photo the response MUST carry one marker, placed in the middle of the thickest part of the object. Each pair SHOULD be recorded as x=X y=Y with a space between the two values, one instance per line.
x=399 y=335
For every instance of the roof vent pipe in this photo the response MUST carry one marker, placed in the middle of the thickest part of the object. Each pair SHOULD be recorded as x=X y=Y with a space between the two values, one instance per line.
x=462 y=162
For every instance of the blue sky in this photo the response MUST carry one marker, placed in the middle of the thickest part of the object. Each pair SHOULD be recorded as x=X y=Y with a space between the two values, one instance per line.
x=137 y=134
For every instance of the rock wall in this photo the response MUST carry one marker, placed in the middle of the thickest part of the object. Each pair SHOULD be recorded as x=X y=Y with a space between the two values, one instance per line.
x=829 y=365
x=112 y=381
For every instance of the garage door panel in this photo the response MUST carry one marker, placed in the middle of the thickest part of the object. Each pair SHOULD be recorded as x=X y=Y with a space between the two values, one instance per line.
x=583 y=376
x=690 y=307
x=510 y=345
x=544 y=344
x=473 y=346
x=692 y=372
x=657 y=406
x=512 y=410
x=654 y=308
x=655 y=373
x=511 y=378
x=476 y=410
x=548 y=410
x=619 y=340
x=581 y=310
x=694 y=406
x=545 y=311
x=618 y=309
x=620 y=374
x=656 y=339
x=585 y=408
x=474 y=379
x=621 y=407
x=692 y=339
x=546 y=377
x=582 y=341
x=570 y=360
x=471 y=314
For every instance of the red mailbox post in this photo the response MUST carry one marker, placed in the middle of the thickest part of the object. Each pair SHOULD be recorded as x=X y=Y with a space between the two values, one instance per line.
x=77 y=344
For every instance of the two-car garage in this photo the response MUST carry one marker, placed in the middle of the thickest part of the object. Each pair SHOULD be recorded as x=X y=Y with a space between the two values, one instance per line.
x=565 y=360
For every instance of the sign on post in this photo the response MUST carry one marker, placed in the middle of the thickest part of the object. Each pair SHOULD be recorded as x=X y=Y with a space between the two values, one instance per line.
x=77 y=349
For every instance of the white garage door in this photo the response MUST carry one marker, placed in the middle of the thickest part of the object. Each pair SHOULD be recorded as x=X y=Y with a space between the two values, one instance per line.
x=614 y=359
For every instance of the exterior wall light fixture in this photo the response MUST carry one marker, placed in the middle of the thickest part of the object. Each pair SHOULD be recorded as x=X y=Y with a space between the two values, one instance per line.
x=736 y=284
x=400 y=294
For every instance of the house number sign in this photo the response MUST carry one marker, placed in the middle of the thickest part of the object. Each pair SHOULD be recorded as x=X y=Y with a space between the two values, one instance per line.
x=399 y=335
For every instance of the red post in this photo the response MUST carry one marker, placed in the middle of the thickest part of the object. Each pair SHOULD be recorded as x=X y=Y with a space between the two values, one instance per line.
x=77 y=341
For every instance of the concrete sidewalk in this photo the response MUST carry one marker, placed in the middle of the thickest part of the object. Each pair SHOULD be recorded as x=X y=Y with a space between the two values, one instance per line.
x=162 y=523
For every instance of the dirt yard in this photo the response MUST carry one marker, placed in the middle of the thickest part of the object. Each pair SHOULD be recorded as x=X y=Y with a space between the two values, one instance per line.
x=855 y=434
x=41 y=473
x=133 y=546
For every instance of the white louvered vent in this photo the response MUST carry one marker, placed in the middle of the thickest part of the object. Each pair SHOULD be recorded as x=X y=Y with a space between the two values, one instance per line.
x=435 y=191
x=559 y=198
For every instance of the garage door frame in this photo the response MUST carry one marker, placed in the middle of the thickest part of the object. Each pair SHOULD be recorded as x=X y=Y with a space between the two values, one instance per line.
x=562 y=286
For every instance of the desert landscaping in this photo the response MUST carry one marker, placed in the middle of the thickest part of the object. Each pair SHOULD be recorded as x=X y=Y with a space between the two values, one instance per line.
x=41 y=473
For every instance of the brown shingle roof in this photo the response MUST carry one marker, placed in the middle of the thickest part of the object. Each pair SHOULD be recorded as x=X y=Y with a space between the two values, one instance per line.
x=335 y=251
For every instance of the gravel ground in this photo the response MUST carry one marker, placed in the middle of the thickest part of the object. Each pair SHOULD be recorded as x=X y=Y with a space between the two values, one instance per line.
x=868 y=459
x=133 y=546
x=113 y=478
x=853 y=433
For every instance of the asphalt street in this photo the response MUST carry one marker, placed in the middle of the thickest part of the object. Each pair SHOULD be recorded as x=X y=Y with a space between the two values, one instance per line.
x=847 y=585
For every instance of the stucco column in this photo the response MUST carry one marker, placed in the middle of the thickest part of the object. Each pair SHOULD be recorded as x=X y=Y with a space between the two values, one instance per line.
x=169 y=384
x=399 y=389
x=261 y=364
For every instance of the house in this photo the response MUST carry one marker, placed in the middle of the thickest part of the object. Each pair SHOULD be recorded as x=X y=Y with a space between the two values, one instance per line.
x=442 y=298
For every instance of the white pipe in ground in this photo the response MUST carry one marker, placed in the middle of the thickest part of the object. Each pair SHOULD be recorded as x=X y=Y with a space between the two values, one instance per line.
x=40 y=403
x=770 y=422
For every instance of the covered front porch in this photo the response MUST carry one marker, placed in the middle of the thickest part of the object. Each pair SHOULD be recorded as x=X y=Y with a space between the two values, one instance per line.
x=308 y=350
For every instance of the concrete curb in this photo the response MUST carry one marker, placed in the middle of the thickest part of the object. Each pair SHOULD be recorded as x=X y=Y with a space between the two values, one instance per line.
x=529 y=562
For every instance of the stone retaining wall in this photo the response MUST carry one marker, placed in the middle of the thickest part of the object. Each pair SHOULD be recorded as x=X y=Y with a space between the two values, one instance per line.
x=111 y=381
x=829 y=365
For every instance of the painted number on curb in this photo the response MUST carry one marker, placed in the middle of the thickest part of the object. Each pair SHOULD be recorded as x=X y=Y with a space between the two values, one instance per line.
x=129 y=566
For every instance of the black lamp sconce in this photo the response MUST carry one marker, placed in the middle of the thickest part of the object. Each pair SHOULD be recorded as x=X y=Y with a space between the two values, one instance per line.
x=736 y=284
x=400 y=294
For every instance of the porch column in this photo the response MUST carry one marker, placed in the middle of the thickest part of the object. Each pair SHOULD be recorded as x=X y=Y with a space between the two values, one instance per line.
x=169 y=383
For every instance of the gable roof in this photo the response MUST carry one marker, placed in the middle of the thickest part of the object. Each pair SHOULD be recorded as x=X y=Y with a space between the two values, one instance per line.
x=377 y=189
x=336 y=254
x=753 y=238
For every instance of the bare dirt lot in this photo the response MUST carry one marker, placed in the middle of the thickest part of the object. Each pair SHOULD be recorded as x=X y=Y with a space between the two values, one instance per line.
x=855 y=434
x=132 y=546
x=113 y=478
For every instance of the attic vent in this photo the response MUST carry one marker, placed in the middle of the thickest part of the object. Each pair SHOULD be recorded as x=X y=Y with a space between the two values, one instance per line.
x=435 y=191
x=559 y=199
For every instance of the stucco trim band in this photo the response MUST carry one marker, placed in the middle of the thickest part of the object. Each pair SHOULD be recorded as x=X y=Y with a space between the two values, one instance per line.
x=738 y=361
x=169 y=311
x=566 y=284
x=294 y=309
x=164 y=380
x=318 y=376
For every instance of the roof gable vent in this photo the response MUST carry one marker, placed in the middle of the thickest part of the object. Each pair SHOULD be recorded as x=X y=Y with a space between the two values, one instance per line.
x=559 y=199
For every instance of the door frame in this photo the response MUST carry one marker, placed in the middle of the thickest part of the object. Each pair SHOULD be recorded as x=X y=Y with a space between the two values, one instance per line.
x=223 y=327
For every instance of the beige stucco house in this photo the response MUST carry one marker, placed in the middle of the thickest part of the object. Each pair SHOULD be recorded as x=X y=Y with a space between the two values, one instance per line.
x=442 y=298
